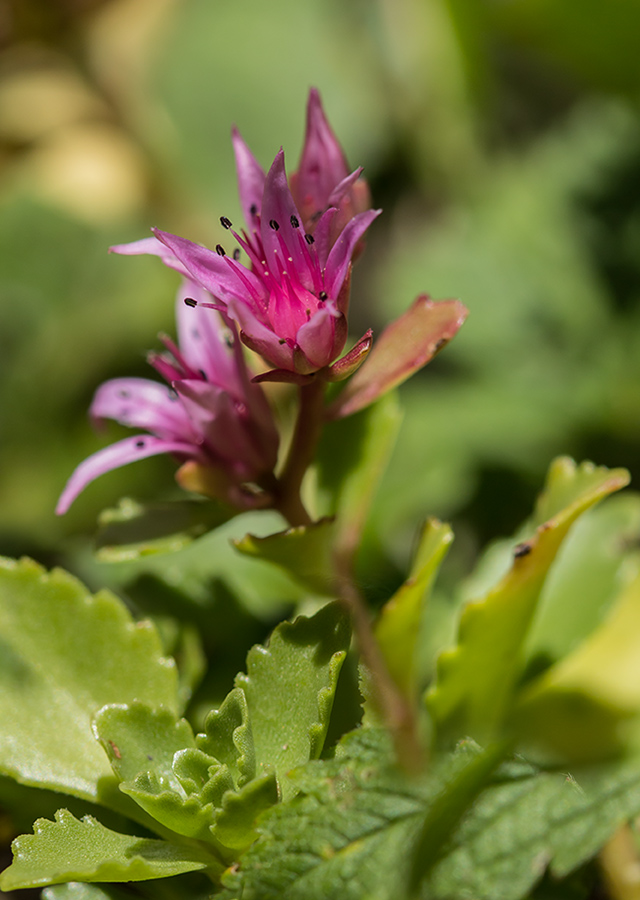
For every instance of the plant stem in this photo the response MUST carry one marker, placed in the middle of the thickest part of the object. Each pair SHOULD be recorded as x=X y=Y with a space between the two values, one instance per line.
x=306 y=434
x=396 y=710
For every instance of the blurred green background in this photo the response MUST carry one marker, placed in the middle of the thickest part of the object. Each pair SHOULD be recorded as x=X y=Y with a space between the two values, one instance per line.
x=501 y=137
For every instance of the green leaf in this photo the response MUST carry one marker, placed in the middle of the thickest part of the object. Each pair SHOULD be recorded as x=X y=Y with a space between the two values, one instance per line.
x=141 y=743
x=132 y=530
x=598 y=558
x=345 y=836
x=580 y=705
x=63 y=655
x=404 y=347
x=398 y=627
x=303 y=552
x=235 y=823
x=527 y=820
x=355 y=826
x=228 y=737
x=289 y=688
x=351 y=460
x=476 y=679
x=84 y=850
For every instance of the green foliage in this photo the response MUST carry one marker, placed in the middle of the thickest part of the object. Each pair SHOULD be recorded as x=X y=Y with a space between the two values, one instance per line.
x=477 y=679
x=65 y=654
x=73 y=850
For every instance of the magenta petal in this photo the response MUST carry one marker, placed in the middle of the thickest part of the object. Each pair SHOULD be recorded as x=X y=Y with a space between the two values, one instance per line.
x=217 y=274
x=206 y=342
x=153 y=247
x=403 y=347
x=141 y=403
x=259 y=338
x=342 y=251
x=119 y=454
x=316 y=337
x=277 y=226
x=340 y=190
x=322 y=235
x=250 y=179
x=322 y=164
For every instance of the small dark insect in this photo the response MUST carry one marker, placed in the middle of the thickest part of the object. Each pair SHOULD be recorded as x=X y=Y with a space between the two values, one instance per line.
x=522 y=550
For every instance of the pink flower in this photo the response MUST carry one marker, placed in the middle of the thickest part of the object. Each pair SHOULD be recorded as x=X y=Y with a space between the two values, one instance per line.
x=291 y=298
x=324 y=179
x=211 y=418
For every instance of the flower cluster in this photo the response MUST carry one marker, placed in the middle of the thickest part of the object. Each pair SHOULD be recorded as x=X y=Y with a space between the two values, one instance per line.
x=209 y=415
x=290 y=299
x=287 y=300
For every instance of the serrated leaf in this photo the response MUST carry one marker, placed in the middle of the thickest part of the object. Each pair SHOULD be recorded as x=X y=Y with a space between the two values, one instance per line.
x=476 y=680
x=528 y=820
x=65 y=653
x=587 y=705
x=398 y=627
x=404 y=347
x=70 y=849
x=345 y=836
x=303 y=552
x=235 y=823
x=228 y=737
x=131 y=529
x=289 y=687
x=141 y=743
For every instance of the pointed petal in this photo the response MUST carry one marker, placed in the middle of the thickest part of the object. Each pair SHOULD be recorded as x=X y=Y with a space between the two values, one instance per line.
x=403 y=347
x=259 y=337
x=322 y=163
x=352 y=360
x=280 y=237
x=141 y=403
x=217 y=274
x=343 y=188
x=151 y=246
x=206 y=342
x=316 y=337
x=322 y=235
x=119 y=454
x=342 y=251
x=250 y=179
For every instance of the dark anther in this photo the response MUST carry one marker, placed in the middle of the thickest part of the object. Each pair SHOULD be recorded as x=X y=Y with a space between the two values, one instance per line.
x=253 y=209
x=226 y=223
x=139 y=445
x=273 y=224
x=204 y=374
x=294 y=222
x=309 y=238
x=522 y=550
x=236 y=254
x=282 y=341
x=323 y=295
x=220 y=250
x=190 y=301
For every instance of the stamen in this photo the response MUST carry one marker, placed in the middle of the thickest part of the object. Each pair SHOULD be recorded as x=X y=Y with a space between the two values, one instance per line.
x=220 y=250
x=253 y=209
x=203 y=374
x=226 y=223
x=294 y=222
x=309 y=238
x=236 y=254
x=323 y=295
x=273 y=224
x=189 y=301
x=139 y=445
